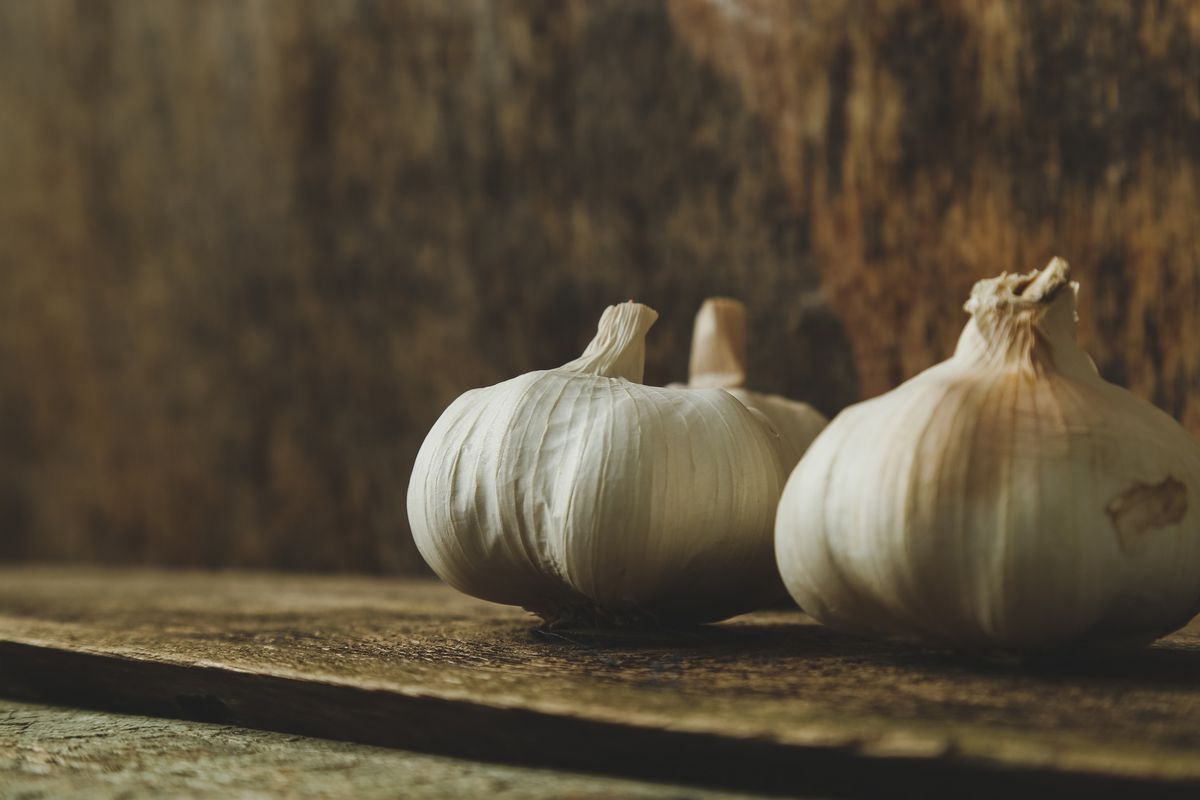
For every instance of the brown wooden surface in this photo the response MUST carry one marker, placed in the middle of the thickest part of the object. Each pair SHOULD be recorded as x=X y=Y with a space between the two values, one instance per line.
x=52 y=753
x=766 y=702
x=250 y=250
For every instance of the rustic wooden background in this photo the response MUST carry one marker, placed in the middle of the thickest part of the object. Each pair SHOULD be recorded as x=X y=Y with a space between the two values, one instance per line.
x=250 y=249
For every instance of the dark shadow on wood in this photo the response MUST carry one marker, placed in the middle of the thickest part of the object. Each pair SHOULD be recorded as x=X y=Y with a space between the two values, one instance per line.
x=1173 y=667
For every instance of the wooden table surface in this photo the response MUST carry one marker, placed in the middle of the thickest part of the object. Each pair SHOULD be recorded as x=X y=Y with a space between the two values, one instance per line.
x=768 y=702
x=49 y=753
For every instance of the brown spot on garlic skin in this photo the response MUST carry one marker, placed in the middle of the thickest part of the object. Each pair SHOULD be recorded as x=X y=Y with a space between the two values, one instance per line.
x=1143 y=508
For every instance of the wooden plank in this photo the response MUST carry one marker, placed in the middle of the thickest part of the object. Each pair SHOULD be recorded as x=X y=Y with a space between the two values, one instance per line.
x=768 y=702
x=48 y=752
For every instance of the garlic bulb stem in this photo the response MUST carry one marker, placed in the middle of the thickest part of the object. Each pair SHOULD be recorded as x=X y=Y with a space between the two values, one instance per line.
x=1027 y=322
x=619 y=348
x=718 y=358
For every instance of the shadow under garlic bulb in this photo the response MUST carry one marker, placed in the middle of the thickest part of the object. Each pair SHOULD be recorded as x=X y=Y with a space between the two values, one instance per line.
x=591 y=499
x=1006 y=500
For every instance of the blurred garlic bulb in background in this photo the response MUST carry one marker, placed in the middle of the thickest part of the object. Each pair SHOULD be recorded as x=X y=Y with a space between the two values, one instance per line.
x=588 y=498
x=1008 y=499
x=719 y=361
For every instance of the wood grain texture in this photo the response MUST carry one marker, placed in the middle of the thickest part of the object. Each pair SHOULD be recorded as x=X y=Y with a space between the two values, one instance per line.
x=930 y=144
x=767 y=702
x=67 y=754
x=250 y=250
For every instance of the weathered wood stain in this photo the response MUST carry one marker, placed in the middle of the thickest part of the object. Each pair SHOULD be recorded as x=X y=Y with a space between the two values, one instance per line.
x=249 y=251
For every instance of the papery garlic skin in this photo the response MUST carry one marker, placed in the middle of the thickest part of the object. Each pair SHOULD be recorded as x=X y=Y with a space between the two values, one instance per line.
x=796 y=423
x=718 y=360
x=1008 y=499
x=588 y=498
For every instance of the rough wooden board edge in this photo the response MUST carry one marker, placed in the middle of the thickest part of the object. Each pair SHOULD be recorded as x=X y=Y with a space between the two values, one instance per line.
x=519 y=737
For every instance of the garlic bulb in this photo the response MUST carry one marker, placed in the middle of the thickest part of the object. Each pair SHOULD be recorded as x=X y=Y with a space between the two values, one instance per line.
x=719 y=361
x=588 y=498
x=1006 y=500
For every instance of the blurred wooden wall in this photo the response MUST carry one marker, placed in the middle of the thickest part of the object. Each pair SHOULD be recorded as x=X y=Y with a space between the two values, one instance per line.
x=250 y=249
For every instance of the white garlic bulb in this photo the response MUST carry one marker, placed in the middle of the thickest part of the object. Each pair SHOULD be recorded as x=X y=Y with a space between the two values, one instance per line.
x=1006 y=500
x=588 y=498
x=718 y=360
